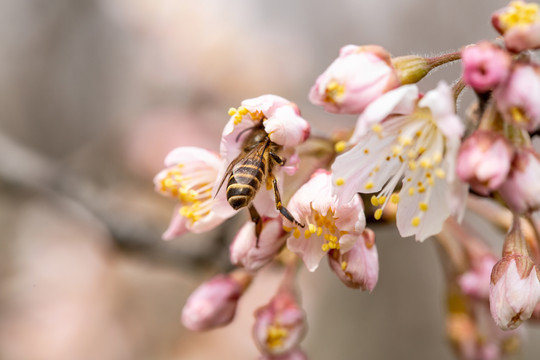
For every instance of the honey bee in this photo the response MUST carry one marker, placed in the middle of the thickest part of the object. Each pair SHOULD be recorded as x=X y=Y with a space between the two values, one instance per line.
x=252 y=168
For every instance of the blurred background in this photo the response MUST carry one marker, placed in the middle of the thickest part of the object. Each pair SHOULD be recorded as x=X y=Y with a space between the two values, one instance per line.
x=93 y=94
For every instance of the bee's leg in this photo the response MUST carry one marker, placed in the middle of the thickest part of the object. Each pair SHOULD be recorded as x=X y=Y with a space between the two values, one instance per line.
x=282 y=209
x=278 y=159
x=256 y=218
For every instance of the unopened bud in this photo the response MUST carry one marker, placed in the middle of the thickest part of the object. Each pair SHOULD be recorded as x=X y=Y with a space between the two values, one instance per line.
x=514 y=290
x=475 y=282
x=411 y=69
x=485 y=66
x=484 y=161
x=521 y=190
x=244 y=251
x=280 y=325
x=213 y=304
x=358 y=268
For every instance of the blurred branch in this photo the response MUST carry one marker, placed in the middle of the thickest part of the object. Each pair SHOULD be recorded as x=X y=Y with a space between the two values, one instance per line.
x=130 y=230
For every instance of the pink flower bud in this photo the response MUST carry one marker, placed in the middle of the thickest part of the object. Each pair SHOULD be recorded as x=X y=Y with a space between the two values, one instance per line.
x=357 y=77
x=484 y=161
x=521 y=190
x=519 y=23
x=484 y=66
x=514 y=290
x=475 y=282
x=358 y=267
x=243 y=251
x=517 y=99
x=213 y=304
x=280 y=325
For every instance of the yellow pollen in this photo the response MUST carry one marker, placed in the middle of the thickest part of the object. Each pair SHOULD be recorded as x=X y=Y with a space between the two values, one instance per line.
x=340 y=146
x=237 y=119
x=396 y=150
x=415 y=221
x=421 y=189
x=519 y=14
x=343 y=265
x=518 y=115
x=307 y=234
x=275 y=335
x=340 y=181
x=312 y=228
x=377 y=128
x=421 y=150
x=411 y=154
x=382 y=200
x=325 y=247
x=425 y=163
x=366 y=151
x=374 y=201
x=296 y=233
x=242 y=110
x=286 y=228
x=430 y=181
x=423 y=206
x=411 y=191
x=405 y=141
x=334 y=91
x=378 y=214
x=394 y=198
x=231 y=111
x=369 y=185
x=412 y=165
x=437 y=157
x=319 y=231
x=440 y=173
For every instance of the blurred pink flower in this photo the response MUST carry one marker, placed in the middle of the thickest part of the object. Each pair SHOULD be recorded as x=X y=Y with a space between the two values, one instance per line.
x=514 y=290
x=517 y=98
x=357 y=77
x=485 y=65
x=213 y=304
x=521 y=190
x=475 y=282
x=519 y=24
x=280 y=325
x=484 y=160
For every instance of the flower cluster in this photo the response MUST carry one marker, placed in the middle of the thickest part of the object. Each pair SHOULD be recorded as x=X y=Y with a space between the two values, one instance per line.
x=409 y=156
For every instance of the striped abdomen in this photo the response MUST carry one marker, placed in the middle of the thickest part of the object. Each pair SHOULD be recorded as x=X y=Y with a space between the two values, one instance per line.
x=244 y=182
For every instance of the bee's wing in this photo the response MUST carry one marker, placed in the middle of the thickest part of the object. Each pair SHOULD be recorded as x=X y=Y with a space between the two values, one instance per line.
x=253 y=157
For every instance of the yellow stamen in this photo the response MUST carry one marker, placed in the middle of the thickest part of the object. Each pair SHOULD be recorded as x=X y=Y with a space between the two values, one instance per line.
x=378 y=214
x=369 y=185
x=340 y=181
x=519 y=14
x=382 y=200
x=340 y=146
x=423 y=206
x=312 y=228
x=296 y=233
x=231 y=111
x=374 y=201
x=242 y=110
x=343 y=265
x=415 y=221
x=394 y=198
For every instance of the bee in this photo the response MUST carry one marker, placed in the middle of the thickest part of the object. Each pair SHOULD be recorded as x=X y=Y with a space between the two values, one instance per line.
x=250 y=170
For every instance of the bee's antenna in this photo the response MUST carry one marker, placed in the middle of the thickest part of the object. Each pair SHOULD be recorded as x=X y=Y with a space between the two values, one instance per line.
x=243 y=131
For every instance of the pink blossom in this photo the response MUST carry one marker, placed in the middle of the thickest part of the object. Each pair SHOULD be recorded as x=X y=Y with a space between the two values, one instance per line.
x=484 y=160
x=475 y=282
x=514 y=291
x=213 y=304
x=329 y=224
x=280 y=325
x=517 y=99
x=485 y=65
x=357 y=77
x=521 y=190
x=189 y=177
x=243 y=249
x=358 y=267
x=401 y=137
x=519 y=23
